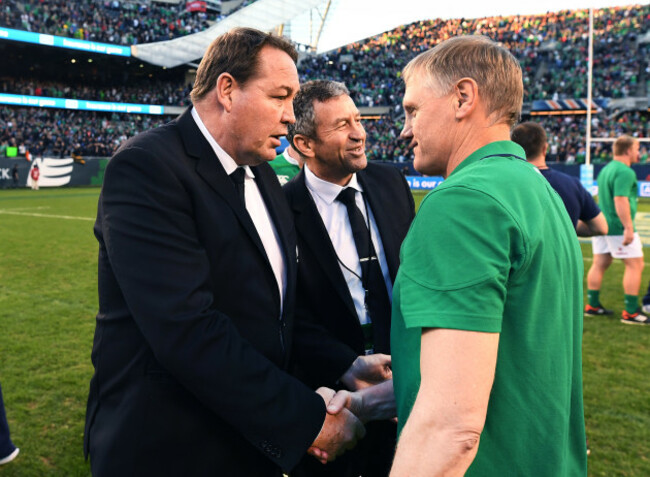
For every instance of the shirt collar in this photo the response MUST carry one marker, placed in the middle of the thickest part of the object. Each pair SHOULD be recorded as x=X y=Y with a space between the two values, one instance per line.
x=327 y=191
x=507 y=148
x=290 y=159
x=227 y=162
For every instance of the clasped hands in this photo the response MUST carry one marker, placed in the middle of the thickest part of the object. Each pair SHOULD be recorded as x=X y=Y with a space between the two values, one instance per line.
x=369 y=380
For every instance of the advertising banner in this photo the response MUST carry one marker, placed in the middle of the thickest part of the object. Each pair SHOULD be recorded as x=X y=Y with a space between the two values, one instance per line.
x=428 y=183
x=54 y=172
x=587 y=178
x=79 y=104
x=64 y=42
x=644 y=189
x=423 y=183
x=65 y=171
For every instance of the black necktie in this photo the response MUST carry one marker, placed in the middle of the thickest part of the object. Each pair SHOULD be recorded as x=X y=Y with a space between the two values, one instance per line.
x=376 y=299
x=237 y=177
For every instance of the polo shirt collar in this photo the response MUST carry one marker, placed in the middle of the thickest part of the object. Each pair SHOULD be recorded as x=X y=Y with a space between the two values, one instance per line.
x=501 y=148
x=290 y=159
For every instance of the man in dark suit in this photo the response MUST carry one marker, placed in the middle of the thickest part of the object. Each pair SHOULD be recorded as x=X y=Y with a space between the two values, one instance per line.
x=343 y=288
x=197 y=275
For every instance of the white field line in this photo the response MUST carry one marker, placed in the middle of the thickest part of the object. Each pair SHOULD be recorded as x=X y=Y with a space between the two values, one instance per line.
x=29 y=208
x=48 y=216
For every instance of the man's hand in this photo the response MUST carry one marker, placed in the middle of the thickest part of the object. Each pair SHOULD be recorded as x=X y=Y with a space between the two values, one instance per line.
x=622 y=206
x=340 y=432
x=374 y=403
x=367 y=371
x=628 y=237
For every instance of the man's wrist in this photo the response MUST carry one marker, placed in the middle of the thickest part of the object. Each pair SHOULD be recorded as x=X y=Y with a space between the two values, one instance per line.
x=349 y=379
x=377 y=402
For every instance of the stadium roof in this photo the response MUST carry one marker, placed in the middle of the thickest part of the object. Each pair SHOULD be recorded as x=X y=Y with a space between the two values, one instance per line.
x=329 y=24
x=265 y=15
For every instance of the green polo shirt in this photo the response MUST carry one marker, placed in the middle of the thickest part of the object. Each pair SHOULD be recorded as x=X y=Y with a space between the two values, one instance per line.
x=283 y=169
x=616 y=180
x=493 y=250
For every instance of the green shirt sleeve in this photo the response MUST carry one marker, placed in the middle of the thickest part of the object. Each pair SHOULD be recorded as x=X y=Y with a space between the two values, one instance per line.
x=455 y=264
x=624 y=182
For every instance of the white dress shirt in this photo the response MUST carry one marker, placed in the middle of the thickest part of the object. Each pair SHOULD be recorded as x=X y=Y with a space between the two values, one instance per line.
x=256 y=209
x=335 y=218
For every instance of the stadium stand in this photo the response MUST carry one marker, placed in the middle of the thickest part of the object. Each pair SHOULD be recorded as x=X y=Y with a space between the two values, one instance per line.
x=112 y=21
x=163 y=92
x=550 y=47
x=57 y=132
x=566 y=135
x=60 y=132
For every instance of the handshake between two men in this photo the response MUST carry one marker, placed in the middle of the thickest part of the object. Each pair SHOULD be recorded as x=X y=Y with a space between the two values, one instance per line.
x=369 y=397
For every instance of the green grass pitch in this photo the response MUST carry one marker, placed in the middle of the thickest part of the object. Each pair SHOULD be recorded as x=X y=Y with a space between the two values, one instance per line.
x=48 y=299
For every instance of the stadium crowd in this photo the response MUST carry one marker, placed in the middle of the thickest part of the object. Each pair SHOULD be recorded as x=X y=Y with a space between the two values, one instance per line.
x=60 y=132
x=111 y=21
x=565 y=133
x=167 y=93
x=551 y=48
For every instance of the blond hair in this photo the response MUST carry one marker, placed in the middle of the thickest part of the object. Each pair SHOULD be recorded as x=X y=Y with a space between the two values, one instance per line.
x=623 y=144
x=495 y=70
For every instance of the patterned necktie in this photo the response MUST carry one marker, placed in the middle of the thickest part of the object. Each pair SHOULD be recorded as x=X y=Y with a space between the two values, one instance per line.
x=376 y=296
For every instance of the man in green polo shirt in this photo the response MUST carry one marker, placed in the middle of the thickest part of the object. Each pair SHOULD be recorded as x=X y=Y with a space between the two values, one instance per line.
x=287 y=164
x=487 y=305
x=617 y=197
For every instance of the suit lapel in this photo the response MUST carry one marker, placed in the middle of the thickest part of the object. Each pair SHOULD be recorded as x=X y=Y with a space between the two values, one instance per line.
x=381 y=205
x=283 y=223
x=381 y=211
x=280 y=220
x=310 y=225
x=213 y=173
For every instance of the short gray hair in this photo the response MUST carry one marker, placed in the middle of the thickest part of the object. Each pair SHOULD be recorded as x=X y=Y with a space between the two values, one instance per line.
x=303 y=105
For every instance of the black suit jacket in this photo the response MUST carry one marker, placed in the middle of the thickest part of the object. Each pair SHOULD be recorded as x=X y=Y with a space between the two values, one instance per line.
x=190 y=343
x=323 y=297
x=328 y=320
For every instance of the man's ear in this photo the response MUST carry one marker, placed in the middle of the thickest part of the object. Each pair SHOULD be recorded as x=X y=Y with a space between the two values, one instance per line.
x=304 y=145
x=465 y=97
x=226 y=85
